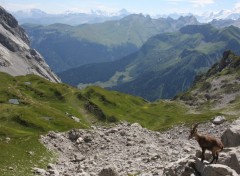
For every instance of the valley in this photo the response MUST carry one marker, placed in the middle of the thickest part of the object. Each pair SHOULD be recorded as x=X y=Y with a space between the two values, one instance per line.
x=164 y=66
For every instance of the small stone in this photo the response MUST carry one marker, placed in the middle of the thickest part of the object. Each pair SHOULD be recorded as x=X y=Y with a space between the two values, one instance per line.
x=30 y=153
x=39 y=171
x=50 y=166
x=218 y=120
x=10 y=168
x=7 y=139
x=87 y=139
x=79 y=140
x=108 y=171
x=78 y=157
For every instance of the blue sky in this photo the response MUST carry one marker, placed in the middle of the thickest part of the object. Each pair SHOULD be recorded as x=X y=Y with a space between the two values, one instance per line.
x=151 y=7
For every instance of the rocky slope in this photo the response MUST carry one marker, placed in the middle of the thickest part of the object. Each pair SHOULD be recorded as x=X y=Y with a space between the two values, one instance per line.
x=129 y=149
x=16 y=55
x=219 y=87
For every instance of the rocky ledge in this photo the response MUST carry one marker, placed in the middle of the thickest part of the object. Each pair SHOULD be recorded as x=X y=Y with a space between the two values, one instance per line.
x=129 y=149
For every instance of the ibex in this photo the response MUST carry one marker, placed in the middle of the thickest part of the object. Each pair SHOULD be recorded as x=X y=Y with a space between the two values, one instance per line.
x=207 y=143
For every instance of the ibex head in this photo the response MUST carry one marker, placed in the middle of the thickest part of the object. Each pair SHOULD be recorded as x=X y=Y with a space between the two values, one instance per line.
x=193 y=131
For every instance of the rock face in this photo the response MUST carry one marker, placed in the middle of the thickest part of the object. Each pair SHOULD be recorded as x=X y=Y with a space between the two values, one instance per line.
x=231 y=137
x=129 y=149
x=16 y=56
x=231 y=157
x=214 y=169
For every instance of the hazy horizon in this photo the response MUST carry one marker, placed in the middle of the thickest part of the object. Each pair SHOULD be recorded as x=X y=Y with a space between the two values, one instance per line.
x=151 y=7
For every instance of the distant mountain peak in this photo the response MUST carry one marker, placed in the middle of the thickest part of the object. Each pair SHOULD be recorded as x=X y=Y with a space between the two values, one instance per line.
x=33 y=13
x=71 y=17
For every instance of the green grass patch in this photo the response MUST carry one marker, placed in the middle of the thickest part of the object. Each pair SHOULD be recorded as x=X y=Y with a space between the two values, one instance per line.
x=155 y=116
x=21 y=154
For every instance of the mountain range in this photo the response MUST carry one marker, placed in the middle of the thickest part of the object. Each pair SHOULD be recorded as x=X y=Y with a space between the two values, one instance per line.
x=225 y=23
x=37 y=16
x=66 y=47
x=164 y=66
x=16 y=55
x=146 y=63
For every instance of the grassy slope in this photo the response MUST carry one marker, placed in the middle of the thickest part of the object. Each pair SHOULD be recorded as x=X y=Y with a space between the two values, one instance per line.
x=156 y=116
x=43 y=106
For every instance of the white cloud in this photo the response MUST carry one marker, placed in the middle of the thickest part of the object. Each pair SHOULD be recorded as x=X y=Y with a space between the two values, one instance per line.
x=196 y=3
x=16 y=7
x=105 y=8
x=237 y=5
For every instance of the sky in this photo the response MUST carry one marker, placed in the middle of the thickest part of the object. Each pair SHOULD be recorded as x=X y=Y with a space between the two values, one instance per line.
x=151 y=7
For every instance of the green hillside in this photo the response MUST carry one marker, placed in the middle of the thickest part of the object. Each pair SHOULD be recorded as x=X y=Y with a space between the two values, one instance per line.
x=45 y=106
x=165 y=65
x=66 y=47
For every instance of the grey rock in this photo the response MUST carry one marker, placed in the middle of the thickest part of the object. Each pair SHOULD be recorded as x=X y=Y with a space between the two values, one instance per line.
x=74 y=134
x=10 y=168
x=7 y=139
x=53 y=135
x=180 y=167
x=214 y=169
x=78 y=157
x=76 y=119
x=27 y=83
x=14 y=101
x=50 y=166
x=231 y=137
x=136 y=125
x=87 y=138
x=218 y=120
x=39 y=171
x=79 y=140
x=53 y=172
x=83 y=174
x=17 y=58
x=148 y=152
x=231 y=158
x=108 y=171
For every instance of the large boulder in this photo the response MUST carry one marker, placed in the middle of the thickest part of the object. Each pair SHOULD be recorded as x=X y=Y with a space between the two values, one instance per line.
x=206 y=169
x=184 y=167
x=231 y=157
x=231 y=137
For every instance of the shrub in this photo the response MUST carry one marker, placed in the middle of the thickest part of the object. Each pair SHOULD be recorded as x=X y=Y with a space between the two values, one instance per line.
x=206 y=86
x=112 y=119
x=94 y=109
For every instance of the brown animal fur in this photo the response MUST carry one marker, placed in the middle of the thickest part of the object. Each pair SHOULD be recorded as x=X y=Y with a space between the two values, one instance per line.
x=207 y=142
